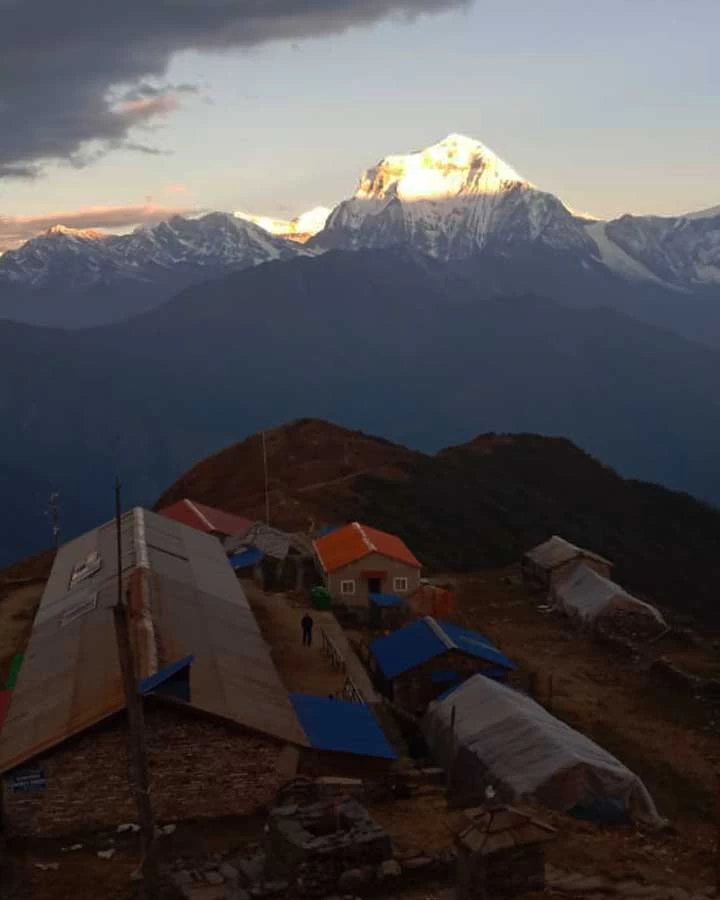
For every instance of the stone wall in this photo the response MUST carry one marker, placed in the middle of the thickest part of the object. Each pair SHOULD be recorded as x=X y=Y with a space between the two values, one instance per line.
x=199 y=769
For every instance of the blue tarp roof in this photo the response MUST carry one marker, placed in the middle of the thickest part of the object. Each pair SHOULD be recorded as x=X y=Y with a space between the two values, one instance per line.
x=427 y=638
x=246 y=558
x=154 y=681
x=341 y=726
x=386 y=600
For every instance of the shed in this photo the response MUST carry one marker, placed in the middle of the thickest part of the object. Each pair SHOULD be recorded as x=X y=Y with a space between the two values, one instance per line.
x=246 y=561
x=415 y=664
x=505 y=740
x=500 y=853
x=357 y=560
x=388 y=610
x=551 y=561
x=594 y=600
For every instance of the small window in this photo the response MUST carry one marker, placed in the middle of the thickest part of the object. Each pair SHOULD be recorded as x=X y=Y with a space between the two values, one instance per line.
x=400 y=584
x=85 y=568
x=347 y=587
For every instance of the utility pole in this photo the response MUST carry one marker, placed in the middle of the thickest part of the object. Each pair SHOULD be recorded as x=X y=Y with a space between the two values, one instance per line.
x=265 y=469
x=136 y=727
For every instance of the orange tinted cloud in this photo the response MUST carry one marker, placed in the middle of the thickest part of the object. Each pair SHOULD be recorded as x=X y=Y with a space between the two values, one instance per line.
x=15 y=230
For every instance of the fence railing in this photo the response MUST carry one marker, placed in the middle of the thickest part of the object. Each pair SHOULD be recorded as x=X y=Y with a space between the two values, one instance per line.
x=350 y=691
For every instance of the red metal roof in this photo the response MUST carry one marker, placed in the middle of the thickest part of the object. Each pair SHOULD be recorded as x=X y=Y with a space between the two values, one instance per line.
x=356 y=541
x=207 y=518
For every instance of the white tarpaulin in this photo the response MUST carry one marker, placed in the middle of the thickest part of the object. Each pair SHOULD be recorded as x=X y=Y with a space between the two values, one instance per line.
x=588 y=596
x=505 y=740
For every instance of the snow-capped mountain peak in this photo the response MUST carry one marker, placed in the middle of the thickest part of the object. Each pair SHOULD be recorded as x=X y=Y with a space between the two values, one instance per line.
x=299 y=229
x=85 y=233
x=455 y=166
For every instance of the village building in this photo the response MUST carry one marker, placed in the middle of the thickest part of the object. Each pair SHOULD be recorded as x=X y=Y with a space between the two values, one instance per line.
x=417 y=663
x=595 y=601
x=551 y=561
x=223 y=525
x=356 y=561
x=222 y=732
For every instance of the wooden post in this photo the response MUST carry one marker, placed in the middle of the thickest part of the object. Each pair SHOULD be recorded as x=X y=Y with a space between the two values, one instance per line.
x=136 y=727
x=550 y=693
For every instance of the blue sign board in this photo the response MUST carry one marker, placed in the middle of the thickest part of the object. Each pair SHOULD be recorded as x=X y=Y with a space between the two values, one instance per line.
x=29 y=781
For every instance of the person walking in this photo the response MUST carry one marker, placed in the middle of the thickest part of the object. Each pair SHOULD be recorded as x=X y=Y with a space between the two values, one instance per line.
x=307 y=629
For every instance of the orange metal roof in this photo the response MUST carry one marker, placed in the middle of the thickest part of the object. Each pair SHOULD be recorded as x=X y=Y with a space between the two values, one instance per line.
x=356 y=541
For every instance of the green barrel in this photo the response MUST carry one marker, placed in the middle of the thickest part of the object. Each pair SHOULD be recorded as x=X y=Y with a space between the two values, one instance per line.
x=14 y=670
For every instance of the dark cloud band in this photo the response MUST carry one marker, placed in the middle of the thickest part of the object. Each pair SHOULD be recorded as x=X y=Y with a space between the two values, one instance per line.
x=60 y=61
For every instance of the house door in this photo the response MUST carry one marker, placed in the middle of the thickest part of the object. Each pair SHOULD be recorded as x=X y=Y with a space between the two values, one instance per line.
x=374 y=585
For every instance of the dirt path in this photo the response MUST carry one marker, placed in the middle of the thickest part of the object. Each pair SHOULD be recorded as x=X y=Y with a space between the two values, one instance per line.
x=301 y=668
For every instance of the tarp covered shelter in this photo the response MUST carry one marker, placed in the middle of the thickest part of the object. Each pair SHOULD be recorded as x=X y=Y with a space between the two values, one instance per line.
x=505 y=740
x=589 y=597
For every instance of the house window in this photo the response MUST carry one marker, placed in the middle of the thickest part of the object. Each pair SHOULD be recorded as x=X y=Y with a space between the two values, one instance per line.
x=400 y=584
x=347 y=587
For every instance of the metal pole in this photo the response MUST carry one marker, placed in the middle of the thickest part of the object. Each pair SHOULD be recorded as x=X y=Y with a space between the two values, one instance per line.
x=265 y=469
x=133 y=701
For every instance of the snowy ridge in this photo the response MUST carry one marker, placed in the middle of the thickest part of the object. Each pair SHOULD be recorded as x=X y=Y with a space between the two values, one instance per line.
x=82 y=258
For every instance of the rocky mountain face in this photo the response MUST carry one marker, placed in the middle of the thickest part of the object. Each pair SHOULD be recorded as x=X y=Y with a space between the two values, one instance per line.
x=457 y=198
x=450 y=201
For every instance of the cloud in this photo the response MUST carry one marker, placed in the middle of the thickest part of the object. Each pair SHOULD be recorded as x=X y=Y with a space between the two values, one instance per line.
x=65 y=65
x=15 y=230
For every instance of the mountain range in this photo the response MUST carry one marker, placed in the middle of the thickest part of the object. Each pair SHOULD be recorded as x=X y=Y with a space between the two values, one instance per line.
x=447 y=298
x=455 y=201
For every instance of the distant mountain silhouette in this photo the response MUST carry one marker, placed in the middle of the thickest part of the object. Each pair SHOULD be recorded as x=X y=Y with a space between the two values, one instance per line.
x=391 y=342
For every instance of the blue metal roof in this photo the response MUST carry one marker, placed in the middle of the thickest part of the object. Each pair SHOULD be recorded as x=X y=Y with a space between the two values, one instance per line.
x=341 y=726
x=425 y=639
x=246 y=558
x=387 y=601
x=154 y=681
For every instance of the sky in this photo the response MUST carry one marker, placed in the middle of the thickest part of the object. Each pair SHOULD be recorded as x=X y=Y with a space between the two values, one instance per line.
x=110 y=117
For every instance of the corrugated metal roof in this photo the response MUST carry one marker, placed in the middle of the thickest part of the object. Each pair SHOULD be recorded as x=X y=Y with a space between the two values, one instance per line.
x=557 y=551
x=341 y=726
x=246 y=558
x=386 y=601
x=190 y=603
x=414 y=644
x=355 y=541
x=207 y=518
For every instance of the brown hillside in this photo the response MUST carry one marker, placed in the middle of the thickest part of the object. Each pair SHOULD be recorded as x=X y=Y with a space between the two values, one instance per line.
x=475 y=506
x=312 y=467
